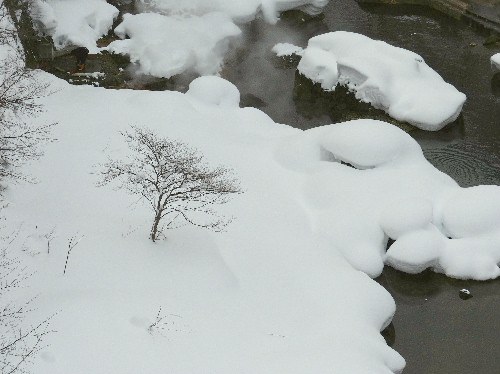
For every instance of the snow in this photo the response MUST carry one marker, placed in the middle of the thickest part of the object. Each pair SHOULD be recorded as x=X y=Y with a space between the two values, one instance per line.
x=495 y=61
x=74 y=22
x=287 y=287
x=165 y=46
x=269 y=294
x=287 y=49
x=272 y=293
x=214 y=91
x=238 y=10
x=390 y=78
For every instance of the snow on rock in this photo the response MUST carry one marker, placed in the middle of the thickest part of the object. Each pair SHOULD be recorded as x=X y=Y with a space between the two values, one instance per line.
x=319 y=66
x=495 y=61
x=390 y=78
x=287 y=49
x=164 y=46
x=416 y=250
x=74 y=22
x=472 y=211
x=466 y=244
x=406 y=215
x=214 y=91
x=238 y=10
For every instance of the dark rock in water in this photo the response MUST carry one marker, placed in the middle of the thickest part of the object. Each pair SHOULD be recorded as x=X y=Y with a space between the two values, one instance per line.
x=495 y=84
x=492 y=39
x=250 y=100
x=465 y=294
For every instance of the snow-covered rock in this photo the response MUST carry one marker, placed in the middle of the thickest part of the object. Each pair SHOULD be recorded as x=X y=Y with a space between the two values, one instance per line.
x=495 y=61
x=74 y=22
x=164 y=46
x=214 y=91
x=287 y=49
x=393 y=79
x=238 y=10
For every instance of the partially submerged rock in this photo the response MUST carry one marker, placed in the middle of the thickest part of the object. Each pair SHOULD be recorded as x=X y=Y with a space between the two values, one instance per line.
x=393 y=79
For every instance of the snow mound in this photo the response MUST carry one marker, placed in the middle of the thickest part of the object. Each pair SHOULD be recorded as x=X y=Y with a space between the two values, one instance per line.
x=287 y=49
x=74 y=22
x=214 y=91
x=465 y=246
x=495 y=61
x=238 y=10
x=164 y=46
x=393 y=79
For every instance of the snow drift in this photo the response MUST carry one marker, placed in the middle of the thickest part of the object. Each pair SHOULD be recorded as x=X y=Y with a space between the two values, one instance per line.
x=393 y=79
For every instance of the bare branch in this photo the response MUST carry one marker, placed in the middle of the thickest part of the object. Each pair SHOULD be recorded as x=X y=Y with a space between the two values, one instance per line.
x=173 y=179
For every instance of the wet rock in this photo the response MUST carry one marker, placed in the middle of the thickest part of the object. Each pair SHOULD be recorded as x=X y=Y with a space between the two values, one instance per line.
x=250 y=100
x=465 y=294
x=492 y=40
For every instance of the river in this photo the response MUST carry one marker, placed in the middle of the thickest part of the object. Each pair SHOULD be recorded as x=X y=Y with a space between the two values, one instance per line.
x=434 y=329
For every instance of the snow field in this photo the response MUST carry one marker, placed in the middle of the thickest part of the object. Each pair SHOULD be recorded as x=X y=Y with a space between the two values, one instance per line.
x=390 y=78
x=279 y=291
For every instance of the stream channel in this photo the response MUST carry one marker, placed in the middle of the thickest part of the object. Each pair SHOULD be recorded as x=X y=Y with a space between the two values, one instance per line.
x=434 y=329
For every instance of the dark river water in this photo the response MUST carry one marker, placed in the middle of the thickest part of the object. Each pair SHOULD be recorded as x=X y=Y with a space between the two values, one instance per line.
x=434 y=329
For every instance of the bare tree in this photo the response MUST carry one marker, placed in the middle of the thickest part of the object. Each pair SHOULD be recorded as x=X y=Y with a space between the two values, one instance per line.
x=20 y=139
x=173 y=179
x=19 y=342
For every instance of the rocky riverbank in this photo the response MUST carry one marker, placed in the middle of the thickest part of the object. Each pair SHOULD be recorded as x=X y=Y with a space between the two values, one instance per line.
x=482 y=13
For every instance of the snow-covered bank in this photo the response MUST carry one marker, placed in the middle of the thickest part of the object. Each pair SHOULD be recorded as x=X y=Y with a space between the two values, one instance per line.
x=74 y=22
x=278 y=291
x=393 y=79
x=268 y=295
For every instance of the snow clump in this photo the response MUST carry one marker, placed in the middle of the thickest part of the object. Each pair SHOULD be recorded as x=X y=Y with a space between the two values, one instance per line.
x=287 y=49
x=495 y=61
x=73 y=22
x=393 y=79
x=164 y=46
x=239 y=10
x=214 y=91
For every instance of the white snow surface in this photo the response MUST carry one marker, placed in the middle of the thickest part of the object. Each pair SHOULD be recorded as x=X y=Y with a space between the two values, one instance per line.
x=393 y=79
x=164 y=46
x=279 y=291
x=238 y=10
x=287 y=49
x=74 y=22
x=495 y=61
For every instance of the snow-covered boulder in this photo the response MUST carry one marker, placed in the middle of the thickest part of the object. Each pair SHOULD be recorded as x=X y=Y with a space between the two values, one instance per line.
x=393 y=79
x=214 y=91
x=287 y=49
x=495 y=61
x=164 y=46
x=74 y=22
x=238 y=10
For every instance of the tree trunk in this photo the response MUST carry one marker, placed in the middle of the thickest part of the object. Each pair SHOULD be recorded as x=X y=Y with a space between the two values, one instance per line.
x=154 y=228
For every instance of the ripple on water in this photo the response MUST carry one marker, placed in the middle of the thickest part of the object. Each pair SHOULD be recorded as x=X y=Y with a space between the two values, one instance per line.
x=468 y=162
